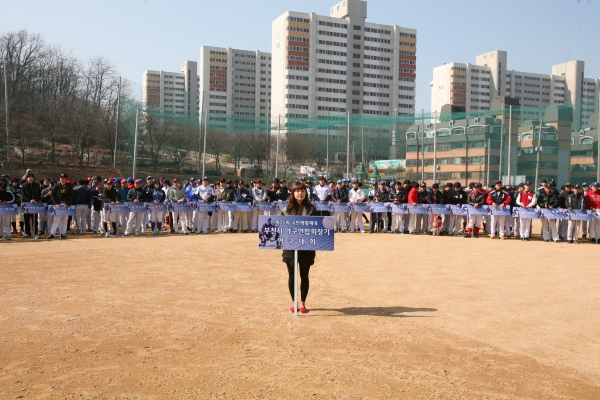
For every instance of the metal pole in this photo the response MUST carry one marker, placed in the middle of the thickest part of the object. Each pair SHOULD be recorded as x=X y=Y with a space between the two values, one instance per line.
x=277 y=154
x=489 y=146
x=509 y=142
x=348 y=148
x=7 y=116
x=268 y=155
x=598 y=136
x=135 y=135
x=117 y=130
x=362 y=140
x=435 y=147
x=295 y=283
x=501 y=144
x=204 y=150
x=423 y=146
x=327 y=150
x=537 y=161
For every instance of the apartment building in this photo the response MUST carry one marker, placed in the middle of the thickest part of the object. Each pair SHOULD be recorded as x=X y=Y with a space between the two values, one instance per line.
x=466 y=149
x=475 y=85
x=235 y=88
x=172 y=92
x=325 y=66
x=584 y=153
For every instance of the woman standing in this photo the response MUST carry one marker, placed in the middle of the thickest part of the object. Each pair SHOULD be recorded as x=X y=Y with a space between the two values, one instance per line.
x=299 y=205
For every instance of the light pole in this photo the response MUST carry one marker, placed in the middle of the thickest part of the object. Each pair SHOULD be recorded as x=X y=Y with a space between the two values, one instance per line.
x=204 y=149
x=7 y=115
x=135 y=136
x=327 y=147
x=277 y=147
x=538 y=151
x=509 y=143
x=348 y=148
x=117 y=127
x=435 y=147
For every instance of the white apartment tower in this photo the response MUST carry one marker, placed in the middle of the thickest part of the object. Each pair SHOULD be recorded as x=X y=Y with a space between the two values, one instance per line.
x=235 y=88
x=340 y=63
x=473 y=86
x=172 y=92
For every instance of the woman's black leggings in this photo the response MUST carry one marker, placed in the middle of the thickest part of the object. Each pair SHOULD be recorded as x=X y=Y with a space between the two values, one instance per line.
x=304 y=269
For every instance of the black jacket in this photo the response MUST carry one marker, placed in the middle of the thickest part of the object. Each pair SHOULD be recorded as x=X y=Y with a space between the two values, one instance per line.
x=547 y=200
x=96 y=199
x=62 y=195
x=137 y=194
x=282 y=193
x=562 y=198
x=457 y=197
x=82 y=195
x=576 y=202
x=110 y=196
x=477 y=198
x=31 y=191
x=340 y=194
x=435 y=198
x=400 y=195
x=423 y=196
x=7 y=196
x=46 y=196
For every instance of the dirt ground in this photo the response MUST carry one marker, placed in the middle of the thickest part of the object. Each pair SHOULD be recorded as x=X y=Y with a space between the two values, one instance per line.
x=406 y=316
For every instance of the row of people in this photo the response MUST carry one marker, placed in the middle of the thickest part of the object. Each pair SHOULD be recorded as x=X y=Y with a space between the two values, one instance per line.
x=89 y=195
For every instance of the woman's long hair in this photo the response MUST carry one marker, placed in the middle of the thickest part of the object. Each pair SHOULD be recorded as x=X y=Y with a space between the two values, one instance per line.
x=293 y=205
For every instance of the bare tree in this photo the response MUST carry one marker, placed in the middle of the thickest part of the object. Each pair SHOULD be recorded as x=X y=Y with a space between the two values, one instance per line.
x=156 y=132
x=296 y=151
x=217 y=144
x=180 y=143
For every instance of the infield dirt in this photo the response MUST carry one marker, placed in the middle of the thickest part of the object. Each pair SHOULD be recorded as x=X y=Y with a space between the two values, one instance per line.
x=208 y=317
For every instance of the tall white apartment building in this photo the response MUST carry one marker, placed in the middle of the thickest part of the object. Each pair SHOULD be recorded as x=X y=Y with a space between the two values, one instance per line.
x=172 y=92
x=340 y=63
x=473 y=86
x=235 y=87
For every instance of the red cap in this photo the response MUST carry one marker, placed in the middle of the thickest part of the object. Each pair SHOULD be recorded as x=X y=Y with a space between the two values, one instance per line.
x=123 y=180
x=175 y=180
x=138 y=181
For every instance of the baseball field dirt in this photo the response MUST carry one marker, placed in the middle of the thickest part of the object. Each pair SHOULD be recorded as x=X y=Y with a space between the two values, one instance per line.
x=207 y=316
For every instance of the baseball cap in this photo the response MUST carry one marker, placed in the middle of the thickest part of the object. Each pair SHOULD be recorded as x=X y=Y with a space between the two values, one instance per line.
x=584 y=184
x=568 y=184
x=527 y=183
x=257 y=181
x=477 y=184
x=192 y=180
x=576 y=187
x=123 y=181
x=149 y=177
x=594 y=184
x=240 y=182
x=276 y=180
x=110 y=183
x=63 y=176
x=175 y=180
x=205 y=178
x=185 y=182
x=498 y=182
x=435 y=186
x=229 y=181
x=424 y=184
x=222 y=180
x=138 y=181
x=382 y=183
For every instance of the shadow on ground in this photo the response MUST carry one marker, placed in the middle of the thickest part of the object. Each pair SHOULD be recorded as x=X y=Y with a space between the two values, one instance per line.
x=397 y=312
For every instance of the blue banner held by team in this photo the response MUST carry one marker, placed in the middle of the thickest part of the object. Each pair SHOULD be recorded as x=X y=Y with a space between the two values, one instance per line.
x=9 y=209
x=37 y=208
x=60 y=211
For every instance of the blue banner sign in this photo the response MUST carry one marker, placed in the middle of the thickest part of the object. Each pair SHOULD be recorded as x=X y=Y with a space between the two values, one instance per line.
x=243 y=207
x=9 y=209
x=436 y=209
x=400 y=208
x=459 y=210
x=136 y=207
x=116 y=208
x=178 y=207
x=324 y=206
x=60 y=211
x=360 y=207
x=225 y=205
x=204 y=206
x=522 y=212
x=155 y=207
x=377 y=207
x=578 y=215
x=37 y=208
x=265 y=206
x=496 y=210
x=341 y=207
x=295 y=233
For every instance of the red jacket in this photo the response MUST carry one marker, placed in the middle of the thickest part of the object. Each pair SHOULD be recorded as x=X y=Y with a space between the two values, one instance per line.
x=592 y=199
x=498 y=197
x=413 y=196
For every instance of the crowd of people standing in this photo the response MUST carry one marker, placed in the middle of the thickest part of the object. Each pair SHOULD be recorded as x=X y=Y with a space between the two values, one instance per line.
x=88 y=197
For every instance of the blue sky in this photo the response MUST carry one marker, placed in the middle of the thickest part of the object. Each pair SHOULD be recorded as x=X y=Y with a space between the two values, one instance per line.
x=150 y=34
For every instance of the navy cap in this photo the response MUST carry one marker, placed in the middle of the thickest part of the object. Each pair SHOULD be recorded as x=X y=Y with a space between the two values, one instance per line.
x=585 y=184
x=130 y=179
x=594 y=184
x=527 y=183
x=149 y=177
x=521 y=184
x=184 y=182
x=339 y=181
x=192 y=180
x=382 y=183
